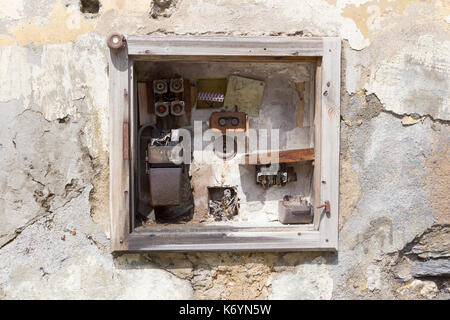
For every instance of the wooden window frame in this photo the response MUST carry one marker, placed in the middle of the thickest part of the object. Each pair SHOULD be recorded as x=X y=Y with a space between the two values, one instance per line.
x=325 y=51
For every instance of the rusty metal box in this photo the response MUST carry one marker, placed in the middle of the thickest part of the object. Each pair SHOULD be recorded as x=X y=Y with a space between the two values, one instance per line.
x=294 y=212
x=165 y=186
x=160 y=154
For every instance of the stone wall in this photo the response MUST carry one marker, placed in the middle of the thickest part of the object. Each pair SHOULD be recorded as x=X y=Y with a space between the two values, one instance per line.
x=394 y=205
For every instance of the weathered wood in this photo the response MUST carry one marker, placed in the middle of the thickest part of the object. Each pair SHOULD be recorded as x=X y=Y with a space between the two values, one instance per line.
x=126 y=142
x=311 y=85
x=208 y=228
x=317 y=142
x=300 y=112
x=119 y=168
x=133 y=115
x=284 y=156
x=286 y=240
x=144 y=114
x=260 y=49
x=193 y=96
x=331 y=79
x=223 y=46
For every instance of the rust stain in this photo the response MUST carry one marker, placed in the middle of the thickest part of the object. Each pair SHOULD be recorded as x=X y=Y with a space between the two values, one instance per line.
x=64 y=25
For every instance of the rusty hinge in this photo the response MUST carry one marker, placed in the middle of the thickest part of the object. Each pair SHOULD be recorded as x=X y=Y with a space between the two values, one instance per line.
x=126 y=143
x=326 y=205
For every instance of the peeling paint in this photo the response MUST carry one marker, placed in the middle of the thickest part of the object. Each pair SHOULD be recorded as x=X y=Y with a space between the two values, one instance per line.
x=349 y=190
x=416 y=80
x=15 y=73
x=63 y=25
x=367 y=14
x=408 y=120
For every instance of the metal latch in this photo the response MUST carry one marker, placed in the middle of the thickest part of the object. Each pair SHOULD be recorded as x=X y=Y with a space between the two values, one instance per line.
x=326 y=205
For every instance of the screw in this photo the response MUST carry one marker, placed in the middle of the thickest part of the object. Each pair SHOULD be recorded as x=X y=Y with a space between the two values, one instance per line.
x=325 y=93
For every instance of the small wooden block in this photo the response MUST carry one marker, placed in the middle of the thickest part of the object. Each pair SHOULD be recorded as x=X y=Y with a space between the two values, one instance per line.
x=286 y=156
x=300 y=86
x=144 y=115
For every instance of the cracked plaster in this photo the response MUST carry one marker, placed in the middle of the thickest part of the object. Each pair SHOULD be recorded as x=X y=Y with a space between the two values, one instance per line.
x=54 y=154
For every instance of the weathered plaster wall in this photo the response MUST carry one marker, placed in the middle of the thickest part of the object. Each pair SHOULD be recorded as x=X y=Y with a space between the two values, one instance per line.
x=394 y=204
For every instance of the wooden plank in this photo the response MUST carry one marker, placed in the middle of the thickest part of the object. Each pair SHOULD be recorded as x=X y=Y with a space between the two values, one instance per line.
x=285 y=156
x=208 y=228
x=317 y=143
x=326 y=143
x=133 y=115
x=151 y=102
x=330 y=112
x=225 y=241
x=223 y=46
x=218 y=58
x=300 y=112
x=126 y=140
x=311 y=85
x=193 y=97
x=119 y=172
x=144 y=114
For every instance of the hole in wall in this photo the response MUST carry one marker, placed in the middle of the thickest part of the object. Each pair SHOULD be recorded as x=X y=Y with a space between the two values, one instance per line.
x=89 y=6
x=163 y=8
x=223 y=202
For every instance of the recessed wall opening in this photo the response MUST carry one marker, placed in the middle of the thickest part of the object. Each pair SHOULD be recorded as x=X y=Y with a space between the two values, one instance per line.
x=224 y=143
x=89 y=6
x=223 y=203
x=268 y=105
